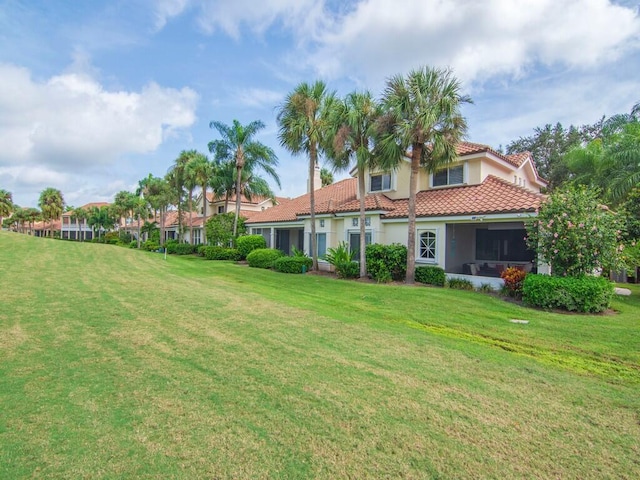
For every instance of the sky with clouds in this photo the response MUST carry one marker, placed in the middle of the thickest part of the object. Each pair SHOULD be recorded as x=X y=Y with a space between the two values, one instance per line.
x=96 y=95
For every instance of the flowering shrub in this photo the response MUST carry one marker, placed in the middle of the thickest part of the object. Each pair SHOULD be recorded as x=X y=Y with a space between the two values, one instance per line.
x=575 y=233
x=513 y=279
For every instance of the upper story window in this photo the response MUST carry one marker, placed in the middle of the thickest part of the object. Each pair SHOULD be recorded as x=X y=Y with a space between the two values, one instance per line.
x=449 y=176
x=221 y=209
x=380 y=182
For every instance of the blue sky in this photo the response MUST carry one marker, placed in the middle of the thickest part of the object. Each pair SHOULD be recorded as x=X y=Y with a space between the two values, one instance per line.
x=96 y=95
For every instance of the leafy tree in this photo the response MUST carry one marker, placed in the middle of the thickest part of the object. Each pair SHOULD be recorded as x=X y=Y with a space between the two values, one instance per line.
x=51 y=204
x=33 y=215
x=353 y=123
x=220 y=229
x=141 y=210
x=326 y=177
x=422 y=116
x=304 y=123
x=548 y=146
x=123 y=205
x=176 y=179
x=575 y=233
x=238 y=145
x=156 y=191
x=6 y=204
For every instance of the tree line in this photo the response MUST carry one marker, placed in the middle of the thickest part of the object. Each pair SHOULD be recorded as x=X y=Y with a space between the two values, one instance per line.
x=418 y=116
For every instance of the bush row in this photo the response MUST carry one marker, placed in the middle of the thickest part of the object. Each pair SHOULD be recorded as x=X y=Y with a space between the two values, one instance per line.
x=263 y=257
x=292 y=264
x=386 y=262
x=431 y=275
x=248 y=243
x=219 y=253
x=575 y=294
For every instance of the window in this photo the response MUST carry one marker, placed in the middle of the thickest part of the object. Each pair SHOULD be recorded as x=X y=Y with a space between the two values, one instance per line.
x=354 y=243
x=221 y=209
x=380 y=182
x=266 y=234
x=321 y=223
x=428 y=245
x=354 y=222
x=197 y=236
x=367 y=221
x=449 y=176
x=502 y=245
x=321 y=244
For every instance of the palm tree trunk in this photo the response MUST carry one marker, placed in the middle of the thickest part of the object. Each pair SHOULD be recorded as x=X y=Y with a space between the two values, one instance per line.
x=204 y=213
x=313 y=160
x=411 y=238
x=191 y=216
x=238 y=199
x=363 y=243
x=138 y=231
x=226 y=202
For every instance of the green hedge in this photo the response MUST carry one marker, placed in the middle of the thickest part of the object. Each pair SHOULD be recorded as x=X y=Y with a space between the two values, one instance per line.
x=248 y=243
x=149 y=246
x=184 y=249
x=460 y=284
x=431 y=275
x=220 y=253
x=387 y=262
x=292 y=264
x=575 y=294
x=263 y=257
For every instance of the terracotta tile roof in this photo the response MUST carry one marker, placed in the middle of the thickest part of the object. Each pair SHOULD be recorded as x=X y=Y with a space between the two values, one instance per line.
x=376 y=201
x=494 y=195
x=57 y=224
x=327 y=200
x=469 y=148
x=88 y=206
x=255 y=200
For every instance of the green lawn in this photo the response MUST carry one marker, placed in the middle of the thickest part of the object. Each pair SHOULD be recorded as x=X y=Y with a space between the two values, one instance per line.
x=116 y=363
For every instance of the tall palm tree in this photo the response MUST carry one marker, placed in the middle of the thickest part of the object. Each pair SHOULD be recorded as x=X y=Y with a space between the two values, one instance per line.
x=123 y=205
x=140 y=211
x=223 y=181
x=6 y=204
x=33 y=215
x=423 y=119
x=158 y=194
x=51 y=204
x=303 y=120
x=176 y=179
x=200 y=170
x=354 y=122
x=238 y=144
x=80 y=215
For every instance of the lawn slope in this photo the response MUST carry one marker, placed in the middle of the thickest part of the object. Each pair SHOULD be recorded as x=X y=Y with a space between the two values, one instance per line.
x=116 y=363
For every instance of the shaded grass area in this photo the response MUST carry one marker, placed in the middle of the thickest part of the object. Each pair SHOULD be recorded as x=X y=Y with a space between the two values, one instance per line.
x=116 y=363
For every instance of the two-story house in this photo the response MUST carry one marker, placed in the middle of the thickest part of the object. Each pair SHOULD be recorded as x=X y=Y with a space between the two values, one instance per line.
x=469 y=216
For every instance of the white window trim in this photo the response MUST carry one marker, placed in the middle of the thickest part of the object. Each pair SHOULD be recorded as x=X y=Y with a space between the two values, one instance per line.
x=430 y=261
x=465 y=176
x=392 y=180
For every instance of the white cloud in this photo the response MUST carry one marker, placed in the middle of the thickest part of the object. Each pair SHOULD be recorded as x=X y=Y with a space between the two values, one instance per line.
x=301 y=16
x=164 y=10
x=71 y=120
x=259 y=97
x=478 y=39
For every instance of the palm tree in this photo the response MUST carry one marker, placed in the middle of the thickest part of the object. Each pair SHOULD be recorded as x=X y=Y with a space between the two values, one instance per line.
x=223 y=181
x=326 y=177
x=303 y=120
x=158 y=194
x=80 y=215
x=354 y=123
x=51 y=204
x=33 y=215
x=6 y=204
x=238 y=144
x=103 y=218
x=422 y=118
x=140 y=210
x=176 y=179
x=200 y=170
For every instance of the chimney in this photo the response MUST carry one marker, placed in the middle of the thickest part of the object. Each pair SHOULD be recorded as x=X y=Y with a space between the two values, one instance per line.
x=317 y=181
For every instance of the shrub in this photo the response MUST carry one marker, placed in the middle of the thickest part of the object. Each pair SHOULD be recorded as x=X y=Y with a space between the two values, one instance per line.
x=575 y=233
x=576 y=294
x=125 y=237
x=133 y=244
x=201 y=250
x=220 y=229
x=342 y=259
x=111 y=238
x=171 y=245
x=387 y=262
x=248 y=243
x=184 y=249
x=292 y=264
x=221 y=253
x=263 y=257
x=150 y=246
x=513 y=279
x=431 y=275
x=460 y=284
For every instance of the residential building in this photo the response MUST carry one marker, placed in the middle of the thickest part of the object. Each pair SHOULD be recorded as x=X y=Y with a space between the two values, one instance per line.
x=469 y=216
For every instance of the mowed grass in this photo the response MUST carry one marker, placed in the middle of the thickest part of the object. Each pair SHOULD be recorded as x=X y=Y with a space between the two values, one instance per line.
x=116 y=363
